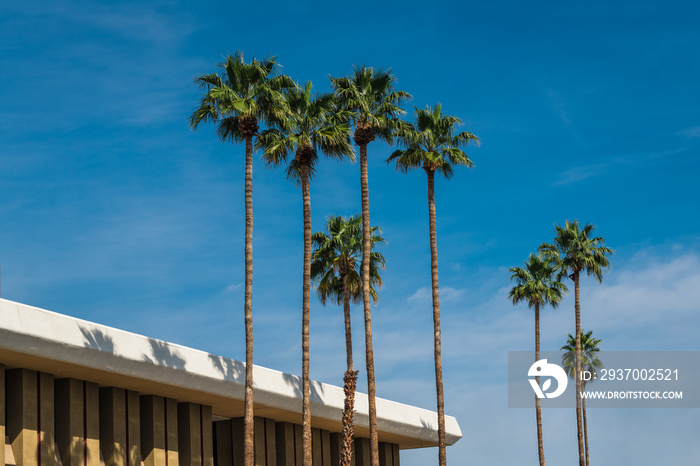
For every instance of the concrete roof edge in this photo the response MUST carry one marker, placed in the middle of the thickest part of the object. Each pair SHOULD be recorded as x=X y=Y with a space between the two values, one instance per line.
x=42 y=333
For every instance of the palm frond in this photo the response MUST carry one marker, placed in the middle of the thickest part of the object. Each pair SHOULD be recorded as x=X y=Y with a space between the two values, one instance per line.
x=293 y=172
x=535 y=283
x=574 y=251
x=240 y=89
x=306 y=120
x=338 y=251
x=371 y=99
x=228 y=129
x=590 y=347
x=429 y=143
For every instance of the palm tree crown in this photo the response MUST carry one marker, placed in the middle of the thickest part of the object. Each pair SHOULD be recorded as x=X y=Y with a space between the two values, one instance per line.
x=535 y=283
x=375 y=103
x=240 y=95
x=431 y=143
x=589 y=355
x=338 y=255
x=575 y=250
x=311 y=125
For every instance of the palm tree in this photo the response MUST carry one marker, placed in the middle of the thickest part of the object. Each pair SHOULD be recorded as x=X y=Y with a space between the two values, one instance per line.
x=236 y=99
x=537 y=286
x=375 y=104
x=575 y=250
x=312 y=125
x=336 y=269
x=431 y=144
x=589 y=363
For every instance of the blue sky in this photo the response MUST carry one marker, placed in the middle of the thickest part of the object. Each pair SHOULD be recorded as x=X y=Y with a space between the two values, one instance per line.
x=115 y=211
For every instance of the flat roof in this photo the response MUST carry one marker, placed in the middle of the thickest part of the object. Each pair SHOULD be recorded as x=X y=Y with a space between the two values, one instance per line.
x=42 y=340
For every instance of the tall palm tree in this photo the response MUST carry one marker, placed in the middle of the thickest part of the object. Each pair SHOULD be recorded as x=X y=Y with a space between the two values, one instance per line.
x=431 y=144
x=312 y=125
x=589 y=363
x=536 y=285
x=236 y=98
x=375 y=105
x=576 y=250
x=336 y=268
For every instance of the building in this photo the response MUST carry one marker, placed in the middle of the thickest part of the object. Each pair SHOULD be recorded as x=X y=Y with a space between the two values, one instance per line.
x=77 y=393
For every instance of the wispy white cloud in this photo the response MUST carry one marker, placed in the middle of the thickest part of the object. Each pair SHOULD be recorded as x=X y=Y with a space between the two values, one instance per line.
x=691 y=133
x=559 y=106
x=421 y=295
x=144 y=81
x=661 y=294
x=447 y=294
x=575 y=174
x=234 y=287
x=583 y=172
x=134 y=21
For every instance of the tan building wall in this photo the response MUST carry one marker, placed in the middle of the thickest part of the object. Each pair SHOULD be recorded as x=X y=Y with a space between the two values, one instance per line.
x=120 y=426
x=2 y=413
x=114 y=426
x=29 y=416
x=279 y=444
x=159 y=431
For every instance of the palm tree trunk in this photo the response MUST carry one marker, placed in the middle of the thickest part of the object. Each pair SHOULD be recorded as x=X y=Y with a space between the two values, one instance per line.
x=442 y=443
x=538 y=407
x=306 y=307
x=366 y=248
x=349 y=383
x=585 y=427
x=579 y=426
x=349 y=386
x=248 y=448
x=348 y=327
